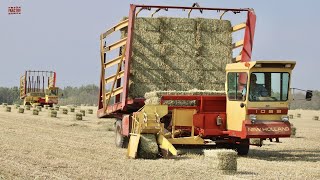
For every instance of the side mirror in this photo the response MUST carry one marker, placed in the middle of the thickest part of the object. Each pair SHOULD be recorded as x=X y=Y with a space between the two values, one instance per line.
x=309 y=95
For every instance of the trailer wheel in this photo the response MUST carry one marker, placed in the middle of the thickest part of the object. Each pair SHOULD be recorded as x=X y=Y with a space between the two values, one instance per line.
x=120 y=140
x=243 y=147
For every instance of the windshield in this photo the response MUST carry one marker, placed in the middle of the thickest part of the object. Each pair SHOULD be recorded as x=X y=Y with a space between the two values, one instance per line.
x=267 y=86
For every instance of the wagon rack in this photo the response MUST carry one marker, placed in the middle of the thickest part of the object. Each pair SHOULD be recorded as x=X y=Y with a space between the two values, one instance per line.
x=122 y=104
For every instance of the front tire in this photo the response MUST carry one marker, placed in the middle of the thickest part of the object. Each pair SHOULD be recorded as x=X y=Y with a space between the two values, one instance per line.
x=120 y=140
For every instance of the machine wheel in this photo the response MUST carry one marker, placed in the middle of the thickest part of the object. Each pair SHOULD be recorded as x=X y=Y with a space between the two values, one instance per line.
x=120 y=140
x=243 y=147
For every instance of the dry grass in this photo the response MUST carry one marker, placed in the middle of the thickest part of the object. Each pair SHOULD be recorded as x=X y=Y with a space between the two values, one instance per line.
x=40 y=147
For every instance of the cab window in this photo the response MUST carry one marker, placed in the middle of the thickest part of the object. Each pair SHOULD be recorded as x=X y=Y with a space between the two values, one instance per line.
x=237 y=82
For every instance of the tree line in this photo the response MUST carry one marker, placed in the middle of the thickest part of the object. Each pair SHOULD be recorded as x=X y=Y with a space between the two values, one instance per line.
x=88 y=94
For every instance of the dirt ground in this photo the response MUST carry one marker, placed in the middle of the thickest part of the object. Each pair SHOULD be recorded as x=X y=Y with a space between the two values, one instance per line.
x=41 y=147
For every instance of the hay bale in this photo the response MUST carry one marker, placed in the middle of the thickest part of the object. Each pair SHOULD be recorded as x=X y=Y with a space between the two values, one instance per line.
x=39 y=108
x=64 y=111
x=28 y=107
x=83 y=112
x=298 y=115
x=46 y=106
x=178 y=24
x=226 y=159
x=35 y=112
x=56 y=108
x=4 y=104
x=256 y=141
x=293 y=130
x=290 y=116
x=17 y=106
x=90 y=111
x=315 y=118
x=21 y=110
x=72 y=109
x=147 y=24
x=8 y=109
x=78 y=116
x=53 y=113
x=148 y=147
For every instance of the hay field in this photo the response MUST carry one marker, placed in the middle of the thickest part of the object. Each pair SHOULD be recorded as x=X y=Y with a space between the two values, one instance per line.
x=40 y=147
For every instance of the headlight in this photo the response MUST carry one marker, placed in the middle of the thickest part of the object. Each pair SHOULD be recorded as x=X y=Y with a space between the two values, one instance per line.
x=253 y=117
x=285 y=118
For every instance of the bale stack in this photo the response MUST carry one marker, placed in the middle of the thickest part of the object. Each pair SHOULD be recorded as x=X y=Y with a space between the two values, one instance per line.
x=21 y=110
x=179 y=54
x=78 y=116
x=83 y=112
x=28 y=107
x=35 y=112
x=8 y=109
x=72 y=109
x=224 y=160
x=53 y=113
x=64 y=111
x=90 y=111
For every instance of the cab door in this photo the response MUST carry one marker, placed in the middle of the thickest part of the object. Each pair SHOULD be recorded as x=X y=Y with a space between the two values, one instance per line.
x=237 y=90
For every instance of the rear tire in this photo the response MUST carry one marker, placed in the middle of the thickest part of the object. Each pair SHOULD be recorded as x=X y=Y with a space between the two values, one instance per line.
x=120 y=140
x=243 y=147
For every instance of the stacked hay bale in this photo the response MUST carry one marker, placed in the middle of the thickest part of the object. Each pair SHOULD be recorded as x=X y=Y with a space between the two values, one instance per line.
x=148 y=147
x=35 y=112
x=179 y=54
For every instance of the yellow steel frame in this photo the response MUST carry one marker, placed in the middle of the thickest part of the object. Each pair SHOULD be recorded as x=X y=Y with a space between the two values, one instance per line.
x=106 y=64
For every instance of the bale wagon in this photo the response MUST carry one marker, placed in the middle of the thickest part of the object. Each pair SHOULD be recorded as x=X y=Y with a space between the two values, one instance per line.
x=173 y=81
x=39 y=88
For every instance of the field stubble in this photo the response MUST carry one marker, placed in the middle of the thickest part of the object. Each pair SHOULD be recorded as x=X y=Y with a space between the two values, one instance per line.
x=40 y=147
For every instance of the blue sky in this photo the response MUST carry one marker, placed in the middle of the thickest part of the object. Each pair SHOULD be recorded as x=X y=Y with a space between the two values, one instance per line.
x=63 y=36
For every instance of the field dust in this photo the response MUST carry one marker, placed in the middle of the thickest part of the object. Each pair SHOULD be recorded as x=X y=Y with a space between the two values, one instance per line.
x=41 y=147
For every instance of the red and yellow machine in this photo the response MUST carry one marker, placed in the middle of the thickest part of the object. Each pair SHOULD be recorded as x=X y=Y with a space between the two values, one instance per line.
x=39 y=88
x=228 y=120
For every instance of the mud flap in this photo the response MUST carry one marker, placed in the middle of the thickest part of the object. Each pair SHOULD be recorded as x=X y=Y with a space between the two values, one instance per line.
x=133 y=145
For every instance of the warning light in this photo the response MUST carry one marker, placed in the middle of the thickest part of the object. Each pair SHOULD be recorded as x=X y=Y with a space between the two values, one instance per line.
x=247 y=64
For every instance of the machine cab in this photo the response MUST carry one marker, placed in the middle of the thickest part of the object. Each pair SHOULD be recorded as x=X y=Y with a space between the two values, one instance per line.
x=257 y=91
x=52 y=95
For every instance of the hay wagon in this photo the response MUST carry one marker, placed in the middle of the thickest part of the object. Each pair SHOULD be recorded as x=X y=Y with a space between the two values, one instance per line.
x=166 y=78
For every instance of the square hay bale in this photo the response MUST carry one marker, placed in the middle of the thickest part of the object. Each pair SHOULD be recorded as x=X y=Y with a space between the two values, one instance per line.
x=145 y=62
x=211 y=63
x=184 y=86
x=178 y=38
x=214 y=77
x=147 y=37
x=148 y=76
x=147 y=50
x=213 y=25
x=147 y=24
x=182 y=50
x=222 y=159
x=182 y=62
x=178 y=24
x=183 y=76
x=137 y=90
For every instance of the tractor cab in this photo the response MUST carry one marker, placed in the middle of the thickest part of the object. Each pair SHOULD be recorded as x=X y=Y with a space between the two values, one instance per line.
x=258 y=98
